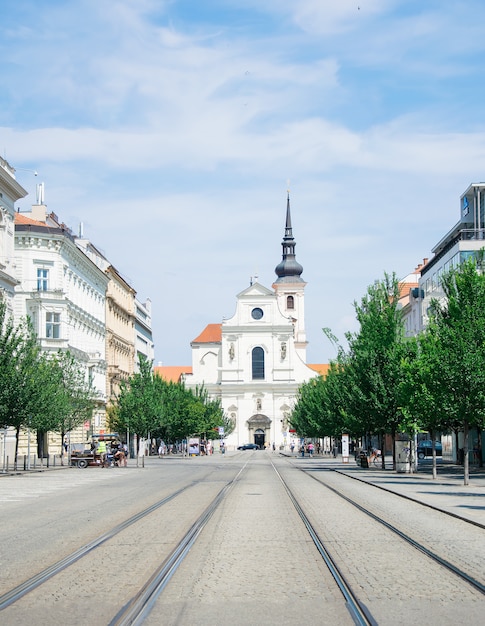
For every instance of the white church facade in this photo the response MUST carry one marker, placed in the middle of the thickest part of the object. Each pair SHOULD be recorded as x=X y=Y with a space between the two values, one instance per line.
x=255 y=361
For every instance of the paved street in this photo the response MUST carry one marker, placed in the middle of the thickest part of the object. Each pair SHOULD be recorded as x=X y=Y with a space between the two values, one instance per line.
x=254 y=562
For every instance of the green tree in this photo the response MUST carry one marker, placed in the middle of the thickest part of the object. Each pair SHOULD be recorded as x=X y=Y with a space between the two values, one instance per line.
x=19 y=354
x=422 y=395
x=374 y=359
x=64 y=397
x=139 y=407
x=457 y=329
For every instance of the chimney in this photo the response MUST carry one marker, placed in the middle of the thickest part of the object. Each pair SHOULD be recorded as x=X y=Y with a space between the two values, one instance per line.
x=39 y=212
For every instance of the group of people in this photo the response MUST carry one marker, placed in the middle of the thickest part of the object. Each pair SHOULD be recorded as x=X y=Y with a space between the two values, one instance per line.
x=115 y=452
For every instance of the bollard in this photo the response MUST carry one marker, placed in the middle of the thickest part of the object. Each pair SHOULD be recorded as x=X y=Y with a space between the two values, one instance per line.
x=25 y=463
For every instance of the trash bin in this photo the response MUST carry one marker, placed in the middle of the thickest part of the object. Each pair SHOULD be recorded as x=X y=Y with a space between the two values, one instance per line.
x=363 y=460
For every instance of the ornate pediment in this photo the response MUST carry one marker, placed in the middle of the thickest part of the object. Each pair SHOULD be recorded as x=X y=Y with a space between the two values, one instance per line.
x=259 y=420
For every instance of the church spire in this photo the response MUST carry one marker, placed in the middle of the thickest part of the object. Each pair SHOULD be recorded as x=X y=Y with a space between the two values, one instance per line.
x=289 y=270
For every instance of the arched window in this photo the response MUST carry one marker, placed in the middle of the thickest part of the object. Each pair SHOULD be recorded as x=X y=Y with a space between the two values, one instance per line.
x=258 y=363
x=290 y=302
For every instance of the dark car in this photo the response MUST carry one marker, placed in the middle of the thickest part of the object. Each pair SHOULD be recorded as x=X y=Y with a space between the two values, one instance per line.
x=425 y=448
x=248 y=446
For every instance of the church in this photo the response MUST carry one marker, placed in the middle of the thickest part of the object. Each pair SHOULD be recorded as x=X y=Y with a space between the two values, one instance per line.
x=255 y=361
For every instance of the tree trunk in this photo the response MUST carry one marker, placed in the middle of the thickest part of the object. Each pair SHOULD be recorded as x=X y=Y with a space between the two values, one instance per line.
x=63 y=434
x=433 y=452
x=17 y=435
x=466 y=466
x=479 y=447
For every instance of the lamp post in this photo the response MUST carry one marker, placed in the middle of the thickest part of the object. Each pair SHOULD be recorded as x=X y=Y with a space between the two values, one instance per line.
x=28 y=445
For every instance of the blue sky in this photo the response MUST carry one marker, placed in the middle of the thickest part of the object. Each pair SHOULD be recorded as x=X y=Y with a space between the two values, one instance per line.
x=170 y=130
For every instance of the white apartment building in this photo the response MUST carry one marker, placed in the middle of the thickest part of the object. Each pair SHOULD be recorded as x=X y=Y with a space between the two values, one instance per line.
x=144 y=345
x=64 y=294
x=10 y=192
x=120 y=321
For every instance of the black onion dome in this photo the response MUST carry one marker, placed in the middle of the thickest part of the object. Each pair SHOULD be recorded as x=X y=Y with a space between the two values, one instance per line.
x=288 y=270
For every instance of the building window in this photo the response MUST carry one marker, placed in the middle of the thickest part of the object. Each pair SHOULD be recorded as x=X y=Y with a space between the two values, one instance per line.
x=257 y=313
x=290 y=302
x=258 y=363
x=42 y=279
x=53 y=325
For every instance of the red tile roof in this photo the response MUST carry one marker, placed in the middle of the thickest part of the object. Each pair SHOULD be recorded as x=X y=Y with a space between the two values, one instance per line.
x=212 y=333
x=172 y=373
x=320 y=368
x=23 y=219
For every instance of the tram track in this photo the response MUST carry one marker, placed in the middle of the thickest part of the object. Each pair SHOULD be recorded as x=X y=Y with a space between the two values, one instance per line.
x=41 y=577
x=410 y=499
x=140 y=605
x=135 y=609
x=418 y=544
x=190 y=522
x=358 y=610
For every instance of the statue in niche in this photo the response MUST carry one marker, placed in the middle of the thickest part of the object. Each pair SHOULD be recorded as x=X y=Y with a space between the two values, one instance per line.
x=231 y=351
x=258 y=404
x=283 y=351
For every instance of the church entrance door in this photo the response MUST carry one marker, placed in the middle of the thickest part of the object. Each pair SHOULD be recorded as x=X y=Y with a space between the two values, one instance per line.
x=259 y=438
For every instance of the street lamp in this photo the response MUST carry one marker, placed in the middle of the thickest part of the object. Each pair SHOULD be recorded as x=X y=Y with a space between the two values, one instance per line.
x=21 y=169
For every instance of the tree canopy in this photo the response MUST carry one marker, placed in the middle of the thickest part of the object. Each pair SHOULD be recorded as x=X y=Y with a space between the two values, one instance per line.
x=148 y=404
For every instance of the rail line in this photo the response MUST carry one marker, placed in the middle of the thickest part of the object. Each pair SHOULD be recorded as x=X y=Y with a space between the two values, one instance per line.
x=35 y=581
x=476 y=584
x=359 y=612
x=135 y=611
x=402 y=495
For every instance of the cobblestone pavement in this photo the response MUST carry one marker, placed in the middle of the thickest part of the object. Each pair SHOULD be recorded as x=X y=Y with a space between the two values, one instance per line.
x=255 y=563
x=395 y=581
x=447 y=492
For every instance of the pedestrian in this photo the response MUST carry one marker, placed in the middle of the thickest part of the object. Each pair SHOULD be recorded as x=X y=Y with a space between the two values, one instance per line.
x=302 y=450
x=292 y=447
x=223 y=448
x=310 y=449
x=274 y=446
x=102 y=451
x=119 y=456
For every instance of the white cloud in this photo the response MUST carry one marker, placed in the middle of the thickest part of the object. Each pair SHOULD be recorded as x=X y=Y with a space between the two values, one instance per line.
x=172 y=140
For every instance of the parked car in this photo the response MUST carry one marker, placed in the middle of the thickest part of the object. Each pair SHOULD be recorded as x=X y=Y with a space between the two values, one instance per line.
x=248 y=446
x=425 y=448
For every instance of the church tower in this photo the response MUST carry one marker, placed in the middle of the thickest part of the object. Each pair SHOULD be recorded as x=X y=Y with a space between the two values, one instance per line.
x=254 y=361
x=290 y=287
